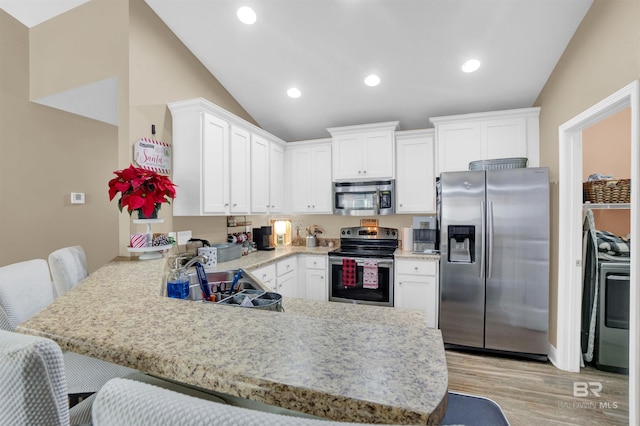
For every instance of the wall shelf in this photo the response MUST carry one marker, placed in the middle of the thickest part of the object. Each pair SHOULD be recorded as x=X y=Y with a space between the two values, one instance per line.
x=611 y=206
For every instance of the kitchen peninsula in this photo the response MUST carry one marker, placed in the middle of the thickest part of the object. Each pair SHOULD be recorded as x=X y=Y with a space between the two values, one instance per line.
x=339 y=361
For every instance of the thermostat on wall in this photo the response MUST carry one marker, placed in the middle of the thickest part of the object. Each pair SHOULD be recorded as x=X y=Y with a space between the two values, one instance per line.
x=77 y=198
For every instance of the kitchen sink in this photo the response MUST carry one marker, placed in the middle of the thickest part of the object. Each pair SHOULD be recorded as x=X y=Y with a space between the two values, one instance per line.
x=222 y=279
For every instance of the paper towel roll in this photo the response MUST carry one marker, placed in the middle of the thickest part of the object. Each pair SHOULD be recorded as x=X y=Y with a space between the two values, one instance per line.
x=407 y=239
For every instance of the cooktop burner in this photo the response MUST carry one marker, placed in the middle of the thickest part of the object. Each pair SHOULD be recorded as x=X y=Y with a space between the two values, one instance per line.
x=365 y=241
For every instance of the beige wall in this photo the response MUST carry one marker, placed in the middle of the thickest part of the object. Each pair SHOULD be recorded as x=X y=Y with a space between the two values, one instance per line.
x=45 y=154
x=602 y=57
x=606 y=149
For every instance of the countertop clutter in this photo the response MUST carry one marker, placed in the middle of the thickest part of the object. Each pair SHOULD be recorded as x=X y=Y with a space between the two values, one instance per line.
x=339 y=361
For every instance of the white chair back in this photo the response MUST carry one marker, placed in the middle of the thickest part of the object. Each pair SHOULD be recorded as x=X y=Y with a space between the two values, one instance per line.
x=25 y=288
x=33 y=391
x=68 y=267
x=129 y=402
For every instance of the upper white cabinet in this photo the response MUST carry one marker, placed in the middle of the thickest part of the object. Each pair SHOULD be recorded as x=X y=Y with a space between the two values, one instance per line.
x=309 y=163
x=267 y=176
x=212 y=152
x=461 y=139
x=415 y=171
x=364 y=151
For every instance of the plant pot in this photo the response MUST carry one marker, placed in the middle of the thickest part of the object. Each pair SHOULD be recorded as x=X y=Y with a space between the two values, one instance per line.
x=153 y=215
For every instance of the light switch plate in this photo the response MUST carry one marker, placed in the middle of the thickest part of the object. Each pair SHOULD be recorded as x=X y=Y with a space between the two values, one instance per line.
x=183 y=237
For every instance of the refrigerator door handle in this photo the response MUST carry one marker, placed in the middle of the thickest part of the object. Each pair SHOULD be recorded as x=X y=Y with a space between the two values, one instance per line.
x=482 y=242
x=489 y=238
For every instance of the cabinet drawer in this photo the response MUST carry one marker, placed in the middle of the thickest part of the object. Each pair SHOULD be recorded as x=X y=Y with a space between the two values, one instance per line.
x=416 y=267
x=316 y=262
x=286 y=265
x=267 y=273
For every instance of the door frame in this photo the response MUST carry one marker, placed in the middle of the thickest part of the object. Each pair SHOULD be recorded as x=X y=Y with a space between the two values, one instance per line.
x=568 y=350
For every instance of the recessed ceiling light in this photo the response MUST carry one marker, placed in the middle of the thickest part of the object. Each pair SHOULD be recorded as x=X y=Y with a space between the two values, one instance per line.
x=294 y=93
x=372 y=80
x=246 y=15
x=471 y=65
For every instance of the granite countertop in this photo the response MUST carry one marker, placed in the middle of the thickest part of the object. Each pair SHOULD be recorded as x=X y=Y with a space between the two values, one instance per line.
x=345 y=362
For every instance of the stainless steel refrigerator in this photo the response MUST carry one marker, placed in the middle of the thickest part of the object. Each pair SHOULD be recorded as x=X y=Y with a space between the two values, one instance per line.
x=494 y=266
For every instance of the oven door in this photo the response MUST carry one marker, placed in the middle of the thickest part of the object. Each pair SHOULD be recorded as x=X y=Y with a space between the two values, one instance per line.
x=381 y=296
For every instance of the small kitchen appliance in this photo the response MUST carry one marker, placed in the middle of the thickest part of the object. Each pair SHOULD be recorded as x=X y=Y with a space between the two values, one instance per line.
x=425 y=234
x=368 y=253
x=364 y=198
x=262 y=238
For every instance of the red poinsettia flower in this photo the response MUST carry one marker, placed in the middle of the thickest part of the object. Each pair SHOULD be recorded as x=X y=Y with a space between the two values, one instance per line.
x=141 y=189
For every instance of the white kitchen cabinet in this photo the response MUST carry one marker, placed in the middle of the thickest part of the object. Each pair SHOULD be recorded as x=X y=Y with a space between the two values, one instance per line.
x=211 y=152
x=316 y=278
x=239 y=159
x=415 y=172
x=310 y=176
x=287 y=277
x=364 y=151
x=266 y=275
x=267 y=176
x=461 y=139
x=416 y=286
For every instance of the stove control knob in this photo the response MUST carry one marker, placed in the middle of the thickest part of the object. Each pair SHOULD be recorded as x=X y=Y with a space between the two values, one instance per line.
x=393 y=233
x=348 y=232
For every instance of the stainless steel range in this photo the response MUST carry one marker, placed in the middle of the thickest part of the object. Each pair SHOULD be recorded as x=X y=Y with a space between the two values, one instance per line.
x=361 y=270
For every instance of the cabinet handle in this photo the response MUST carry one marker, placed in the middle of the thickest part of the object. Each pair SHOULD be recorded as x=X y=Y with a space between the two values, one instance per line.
x=415 y=268
x=400 y=205
x=365 y=172
x=308 y=206
x=226 y=204
x=313 y=206
x=359 y=171
x=400 y=283
x=235 y=204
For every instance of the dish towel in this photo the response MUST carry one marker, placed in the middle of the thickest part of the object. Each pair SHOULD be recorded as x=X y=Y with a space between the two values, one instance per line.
x=370 y=274
x=349 y=272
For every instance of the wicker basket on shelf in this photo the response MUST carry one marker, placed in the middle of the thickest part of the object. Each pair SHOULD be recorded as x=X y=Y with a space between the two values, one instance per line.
x=607 y=191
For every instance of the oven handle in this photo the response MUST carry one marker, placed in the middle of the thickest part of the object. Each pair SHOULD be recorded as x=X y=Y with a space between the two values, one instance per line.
x=359 y=261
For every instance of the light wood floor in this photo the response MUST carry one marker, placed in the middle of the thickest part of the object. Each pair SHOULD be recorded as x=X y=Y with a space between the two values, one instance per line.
x=539 y=394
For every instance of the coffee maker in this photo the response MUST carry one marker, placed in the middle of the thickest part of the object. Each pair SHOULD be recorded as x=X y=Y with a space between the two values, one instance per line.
x=262 y=238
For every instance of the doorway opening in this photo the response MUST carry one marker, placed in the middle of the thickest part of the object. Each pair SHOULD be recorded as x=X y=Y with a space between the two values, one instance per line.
x=568 y=352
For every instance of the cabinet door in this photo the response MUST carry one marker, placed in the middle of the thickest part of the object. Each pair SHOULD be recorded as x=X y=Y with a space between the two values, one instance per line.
x=276 y=178
x=378 y=150
x=316 y=284
x=321 y=183
x=415 y=175
x=215 y=192
x=347 y=157
x=504 y=138
x=240 y=158
x=259 y=175
x=301 y=188
x=287 y=284
x=419 y=293
x=458 y=144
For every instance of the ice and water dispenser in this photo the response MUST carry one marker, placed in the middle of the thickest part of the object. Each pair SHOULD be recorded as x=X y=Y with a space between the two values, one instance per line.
x=462 y=244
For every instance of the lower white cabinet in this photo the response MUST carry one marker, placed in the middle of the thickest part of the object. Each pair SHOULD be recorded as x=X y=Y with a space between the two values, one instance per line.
x=287 y=277
x=266 y=275
x=416 y=287
x=316 y=278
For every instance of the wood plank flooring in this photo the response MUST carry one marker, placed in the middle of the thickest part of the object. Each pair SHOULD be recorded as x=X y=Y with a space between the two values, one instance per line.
x=539 y=394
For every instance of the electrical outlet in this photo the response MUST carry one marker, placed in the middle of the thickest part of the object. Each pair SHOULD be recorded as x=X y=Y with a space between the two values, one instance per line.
x=183 y=237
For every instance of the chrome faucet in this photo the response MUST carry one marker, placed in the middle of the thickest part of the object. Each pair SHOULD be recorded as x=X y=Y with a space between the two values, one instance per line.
x=177 y=262
x=202 y=259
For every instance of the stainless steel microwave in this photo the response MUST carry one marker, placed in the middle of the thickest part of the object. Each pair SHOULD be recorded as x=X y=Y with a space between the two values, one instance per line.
x=364 y=198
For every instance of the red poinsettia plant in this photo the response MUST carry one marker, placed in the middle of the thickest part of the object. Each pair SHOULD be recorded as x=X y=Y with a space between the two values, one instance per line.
x=140 y=189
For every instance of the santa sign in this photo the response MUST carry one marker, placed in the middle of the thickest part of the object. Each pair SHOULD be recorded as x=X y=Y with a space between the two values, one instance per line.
x=152 y=155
